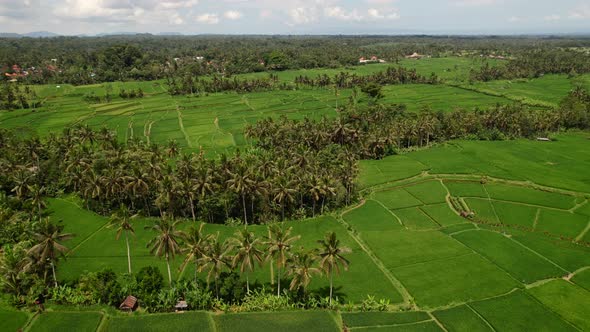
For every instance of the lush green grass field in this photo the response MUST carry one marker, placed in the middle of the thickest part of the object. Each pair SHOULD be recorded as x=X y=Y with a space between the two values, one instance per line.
x=461 y=318
x=367 y=319
x=67 y=321
x=189 y=321
x=282 y=321
x=520 y=312
x=12 y=320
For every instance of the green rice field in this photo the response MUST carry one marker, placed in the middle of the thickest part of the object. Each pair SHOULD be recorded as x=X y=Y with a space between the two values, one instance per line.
x=517 y=259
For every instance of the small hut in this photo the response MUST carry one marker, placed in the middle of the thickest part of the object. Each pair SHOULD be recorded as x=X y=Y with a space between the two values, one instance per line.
x=130 y=304
x=181 y=305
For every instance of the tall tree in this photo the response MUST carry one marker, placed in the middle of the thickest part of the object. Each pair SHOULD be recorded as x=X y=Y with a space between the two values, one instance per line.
x=216 y=258
x=248 y=254
x=195 y=246
x=166 y=241
x=121 y=220
x=279 y=242
x=302 y=269
x=47 y=248
x=331 y=257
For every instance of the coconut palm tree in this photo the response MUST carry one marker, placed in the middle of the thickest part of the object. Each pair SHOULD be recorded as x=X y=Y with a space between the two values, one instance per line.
x=36 y=193
x=247 y=254
x=279 y=242
x=166 y=241
x=331 y=257
x=216 y=258
x=302 y=269
x=48 y=248
x=122 y=221
x=195 y=245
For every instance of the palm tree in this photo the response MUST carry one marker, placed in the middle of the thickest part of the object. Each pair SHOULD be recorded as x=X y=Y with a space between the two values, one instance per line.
x=48 y=247
x=36 y=192
x=302 y=269
x=247 y=253
x=216 y=258
x=240 y=182
x=166 y=242
x=122 y=221
x=279 y=242
x=195 y=246
x=283 y=193
x=331 y=258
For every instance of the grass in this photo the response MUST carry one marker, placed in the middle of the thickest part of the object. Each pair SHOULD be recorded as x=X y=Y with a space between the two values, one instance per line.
x=366 y=319
x=530 y=196
x=567 y=300
x=430 y=192
x=414 y=218
x=396 y=198
x=66 y=321
x=483 y=209
x=399 y=248
x=189 y=321
x=466 y=189
x=561 y=223
x=101 y=250
x=454 y=280
x=442 y=214
x=371 y=216
x=461 y=318
x=566 y=254
x=11 y=320
x=582 y=279
x=515 y=214
x=277 y=321
x=374 y=172
x=520 y=312
x=521 y=263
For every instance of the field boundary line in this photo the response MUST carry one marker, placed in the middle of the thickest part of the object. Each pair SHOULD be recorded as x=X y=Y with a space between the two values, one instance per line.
x=491 y=203
x=433 y=260
x=579 y=205
x=553 y=311
x=211 y=321
x=390 y=212
x=536 y=221
x=481 y=317
x=584 y=231
x=406 y=296
x=518 y=203
x=365 y=327
x=428 y=216
x=536 y=253
x=518 y=282
x=181 y=125
x=437 y=322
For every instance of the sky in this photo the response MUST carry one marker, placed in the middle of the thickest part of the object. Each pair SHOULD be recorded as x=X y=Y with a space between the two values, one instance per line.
x=73 y=17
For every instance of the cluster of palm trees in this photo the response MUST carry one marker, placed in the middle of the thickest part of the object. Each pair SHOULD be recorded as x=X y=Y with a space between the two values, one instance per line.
x=258 y=185
x=536 y=63
x=373 y=132
x=243 y=252
x=346 y=80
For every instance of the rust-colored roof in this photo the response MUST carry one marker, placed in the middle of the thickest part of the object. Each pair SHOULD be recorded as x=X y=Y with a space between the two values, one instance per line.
x=129 y=303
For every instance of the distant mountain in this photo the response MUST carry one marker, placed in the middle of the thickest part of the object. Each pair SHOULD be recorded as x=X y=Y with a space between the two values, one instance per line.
x=172 y=33
x=34 y=34
x=41 y=34
x=9 y=35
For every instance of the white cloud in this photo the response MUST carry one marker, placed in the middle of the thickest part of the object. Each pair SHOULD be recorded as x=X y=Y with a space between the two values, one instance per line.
x=514 y=19
x=208 y=18
x=581 y=12
x=552 y=18
x=387 y=14
x=341 y=14
x=473 y=3
x=233 y=15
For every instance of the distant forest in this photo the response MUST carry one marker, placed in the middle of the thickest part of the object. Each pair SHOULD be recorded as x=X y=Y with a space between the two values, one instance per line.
x=86 y=60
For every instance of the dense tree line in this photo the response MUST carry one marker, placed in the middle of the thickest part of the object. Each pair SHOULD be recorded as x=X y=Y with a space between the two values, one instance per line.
x=86 y=60
x=374 y=132
x=14 y=96
x=536 y=63
x=195 y=86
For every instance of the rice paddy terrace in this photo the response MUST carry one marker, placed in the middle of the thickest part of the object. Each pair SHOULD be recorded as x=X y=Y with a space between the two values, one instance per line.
x=215 y=122
x=464 y=236
x=520 y=261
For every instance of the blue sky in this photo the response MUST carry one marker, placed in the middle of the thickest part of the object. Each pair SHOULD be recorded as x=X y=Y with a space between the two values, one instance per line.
x=297 y=16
